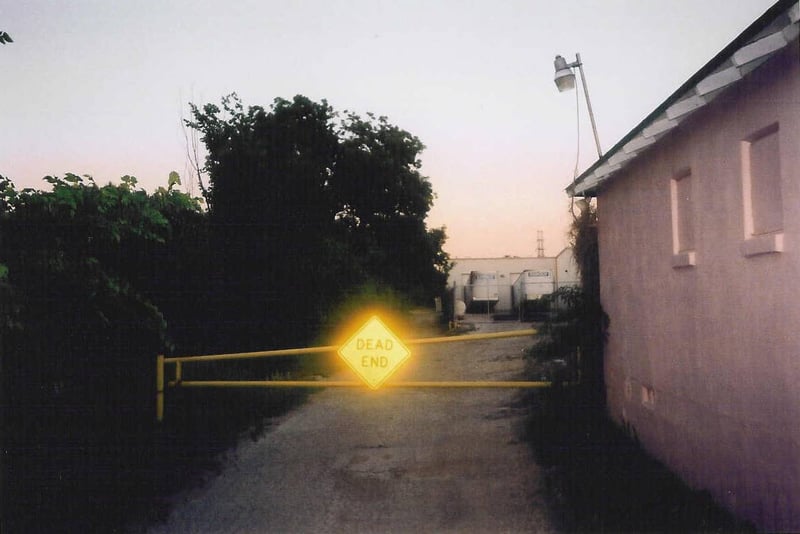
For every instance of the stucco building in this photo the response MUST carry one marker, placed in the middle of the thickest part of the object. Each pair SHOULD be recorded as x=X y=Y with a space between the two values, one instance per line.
x=699 y=234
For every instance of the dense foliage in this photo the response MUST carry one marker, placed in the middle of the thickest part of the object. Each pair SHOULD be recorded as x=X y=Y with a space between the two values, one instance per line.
x=79 y=324
x=583 y=239
x=576 y=334
x=303 y=211
x=305 y=206
x=586 y=315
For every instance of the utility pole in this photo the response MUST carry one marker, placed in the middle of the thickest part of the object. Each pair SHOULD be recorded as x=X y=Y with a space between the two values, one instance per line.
x=539 y=244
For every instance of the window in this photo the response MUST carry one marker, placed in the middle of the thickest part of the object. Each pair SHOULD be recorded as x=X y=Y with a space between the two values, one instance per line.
x=683 y=219
x=762 y=195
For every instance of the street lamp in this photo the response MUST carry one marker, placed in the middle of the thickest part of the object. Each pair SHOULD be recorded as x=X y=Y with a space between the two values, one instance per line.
x=565 y=80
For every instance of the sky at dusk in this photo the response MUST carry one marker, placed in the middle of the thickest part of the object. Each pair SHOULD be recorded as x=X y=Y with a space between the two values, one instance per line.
x=100 y=87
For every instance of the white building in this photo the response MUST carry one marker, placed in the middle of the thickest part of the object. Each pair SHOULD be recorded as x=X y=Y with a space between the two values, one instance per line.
x=508 y=269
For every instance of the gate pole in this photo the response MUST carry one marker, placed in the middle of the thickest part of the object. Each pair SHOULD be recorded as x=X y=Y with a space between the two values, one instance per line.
x=160 y=387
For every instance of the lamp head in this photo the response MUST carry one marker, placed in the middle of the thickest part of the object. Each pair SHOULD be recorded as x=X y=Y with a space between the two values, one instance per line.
x=564 y=78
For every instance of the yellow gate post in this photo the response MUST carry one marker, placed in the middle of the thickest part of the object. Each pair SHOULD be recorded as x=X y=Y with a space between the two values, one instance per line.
x=160 y=387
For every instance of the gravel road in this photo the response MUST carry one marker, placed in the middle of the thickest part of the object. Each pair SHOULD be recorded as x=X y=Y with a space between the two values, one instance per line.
x=391 y=460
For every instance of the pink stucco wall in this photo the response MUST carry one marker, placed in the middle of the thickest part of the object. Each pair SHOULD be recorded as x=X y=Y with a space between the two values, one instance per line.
x=704 y=361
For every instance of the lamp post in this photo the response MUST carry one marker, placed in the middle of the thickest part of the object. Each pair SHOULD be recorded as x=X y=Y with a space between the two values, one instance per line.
x=565 y=80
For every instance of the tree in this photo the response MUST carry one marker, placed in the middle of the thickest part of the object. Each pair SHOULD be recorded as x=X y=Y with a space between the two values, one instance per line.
x=305 y=206
x=86 y=257
x=383 y=199
x=84 y=270
x=270 y=211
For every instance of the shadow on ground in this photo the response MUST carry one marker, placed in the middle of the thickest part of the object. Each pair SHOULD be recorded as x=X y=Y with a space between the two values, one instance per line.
x=77 y=480
x=598 y=479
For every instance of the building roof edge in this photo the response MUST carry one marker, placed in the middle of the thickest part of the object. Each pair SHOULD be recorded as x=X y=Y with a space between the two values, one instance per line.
x=747 y=49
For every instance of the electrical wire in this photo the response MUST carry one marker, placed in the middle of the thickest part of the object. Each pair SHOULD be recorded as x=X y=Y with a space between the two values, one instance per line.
x=577 y=134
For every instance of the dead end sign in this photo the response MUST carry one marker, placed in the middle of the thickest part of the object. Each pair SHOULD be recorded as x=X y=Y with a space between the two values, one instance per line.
x=374 y=352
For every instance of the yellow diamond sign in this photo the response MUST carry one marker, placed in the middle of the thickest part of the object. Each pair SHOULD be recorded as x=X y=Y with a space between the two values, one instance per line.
x=374 y=352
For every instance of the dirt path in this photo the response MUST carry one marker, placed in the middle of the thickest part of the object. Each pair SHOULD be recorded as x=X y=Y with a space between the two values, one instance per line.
x=392 y=460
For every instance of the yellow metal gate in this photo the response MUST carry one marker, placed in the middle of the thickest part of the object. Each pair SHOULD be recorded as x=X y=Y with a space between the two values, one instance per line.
x=179 y=361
